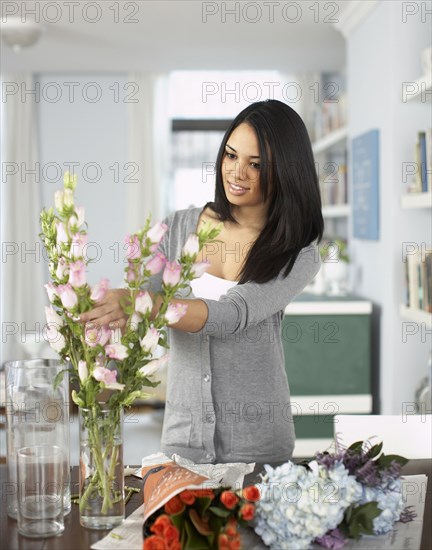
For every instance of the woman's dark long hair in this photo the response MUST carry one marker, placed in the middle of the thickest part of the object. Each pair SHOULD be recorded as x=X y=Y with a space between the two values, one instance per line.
x=288 y=177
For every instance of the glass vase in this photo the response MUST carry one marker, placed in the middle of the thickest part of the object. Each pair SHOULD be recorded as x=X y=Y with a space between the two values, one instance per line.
x=101 y=472
x=37 y=413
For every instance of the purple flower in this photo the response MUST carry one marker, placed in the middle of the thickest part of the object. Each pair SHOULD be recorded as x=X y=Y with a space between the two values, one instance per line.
x=332 y=539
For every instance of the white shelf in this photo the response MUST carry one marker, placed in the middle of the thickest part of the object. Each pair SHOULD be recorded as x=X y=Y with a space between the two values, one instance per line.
x=417 y=200
x=330 y=140
x=423 y=86
x=416 y=315
x=336 y=211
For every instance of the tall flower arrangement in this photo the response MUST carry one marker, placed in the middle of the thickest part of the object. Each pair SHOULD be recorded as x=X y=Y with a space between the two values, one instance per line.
x=103 y=357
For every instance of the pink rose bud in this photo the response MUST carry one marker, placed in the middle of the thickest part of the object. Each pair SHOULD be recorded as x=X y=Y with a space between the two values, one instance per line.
x=77 y=274
x=175 y=312
x=51 y=291
x=131 y=274
x=67 y=296
x=143 y=303
x=134 y=321
x=62 y=236
x=52 y=317
x=133 y=250
x=82 y=371
x=156 y=263
x=154 y=365
x=79 y=243
x=56 y=339
x=102 y=374
x=199 y=268
x=172 y=273
x=155 y=234
x=191 y=247
x=150 y=341
x=62 y=269
x=117 y=351
x=99 y=290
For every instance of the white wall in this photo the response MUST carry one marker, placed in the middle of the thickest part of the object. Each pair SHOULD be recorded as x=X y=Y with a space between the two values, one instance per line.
x=381 y=54
x=78 y=129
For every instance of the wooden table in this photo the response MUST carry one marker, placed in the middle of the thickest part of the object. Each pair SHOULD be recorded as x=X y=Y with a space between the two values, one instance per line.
x=76 y=537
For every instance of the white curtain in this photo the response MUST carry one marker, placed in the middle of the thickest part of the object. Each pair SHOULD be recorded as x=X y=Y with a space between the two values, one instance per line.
x=149 y=148
x=23 y=266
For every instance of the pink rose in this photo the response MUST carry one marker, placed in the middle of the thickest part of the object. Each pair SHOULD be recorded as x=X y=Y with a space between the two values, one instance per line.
x=143 y=303
x=62 y=236
x=172 y=273
x=117 y=351
x=68 y=296
x=79 y=242
x=150 y=341
x=62 y=269
x=77 y=274
x=199 y=268
x=153 y=366
x=131 y=273
x=175 y=312
x=99 y=290
x=156 y=263
x=155 y=235
x=51 y=291
x=133 y=250
x=52 y=317
x=95 y=334
x=108 y=378
x=191 y=247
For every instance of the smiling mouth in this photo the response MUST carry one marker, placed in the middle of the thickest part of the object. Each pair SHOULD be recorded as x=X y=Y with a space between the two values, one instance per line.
x=238 y=187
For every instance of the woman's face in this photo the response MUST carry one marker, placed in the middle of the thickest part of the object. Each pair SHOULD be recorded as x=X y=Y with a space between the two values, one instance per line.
x=241 y=167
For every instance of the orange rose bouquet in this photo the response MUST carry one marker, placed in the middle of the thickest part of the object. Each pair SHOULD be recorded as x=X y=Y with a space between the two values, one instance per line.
x=201 y=518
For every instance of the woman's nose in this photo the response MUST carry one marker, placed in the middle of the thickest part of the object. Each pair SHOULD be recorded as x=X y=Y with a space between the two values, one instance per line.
x=240 y=170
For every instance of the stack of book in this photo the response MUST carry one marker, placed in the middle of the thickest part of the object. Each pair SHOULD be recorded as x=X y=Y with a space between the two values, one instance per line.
x=330 y=116
x=423 y=171
x=418 y=278
x=334 y=185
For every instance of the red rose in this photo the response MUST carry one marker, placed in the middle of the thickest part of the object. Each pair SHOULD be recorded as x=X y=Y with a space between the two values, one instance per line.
x=251 y=493
x=223 y=543
x=171 y=534
x=247 y=511
x=231 y=528
x=160 y=524
x=229 y=499
x=174 y=506
x=154 y=543
x=175 y=546
x=187 y=497
x=235 y=544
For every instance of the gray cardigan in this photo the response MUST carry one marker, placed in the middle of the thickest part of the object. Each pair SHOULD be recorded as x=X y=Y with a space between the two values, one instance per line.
x=228 y=398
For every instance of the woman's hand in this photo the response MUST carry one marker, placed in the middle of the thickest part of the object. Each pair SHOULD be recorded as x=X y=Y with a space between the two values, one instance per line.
x=108 y=311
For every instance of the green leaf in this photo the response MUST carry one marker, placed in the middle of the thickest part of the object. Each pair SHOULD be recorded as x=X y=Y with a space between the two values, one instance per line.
x=202 y=504
x=358 y=520
x=219 y=512
x=357 y=446
x=385 y=460
x=194 y=540
x=375 y=450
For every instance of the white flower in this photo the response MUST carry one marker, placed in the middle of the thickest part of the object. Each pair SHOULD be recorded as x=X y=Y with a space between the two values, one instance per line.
x=154 y=365
x=150 y=341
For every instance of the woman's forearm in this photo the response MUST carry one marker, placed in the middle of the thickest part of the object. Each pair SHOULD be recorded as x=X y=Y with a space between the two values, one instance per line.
x=194 y=319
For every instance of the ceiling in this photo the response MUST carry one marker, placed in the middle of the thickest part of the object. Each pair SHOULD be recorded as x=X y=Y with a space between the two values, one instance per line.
x=179 y=35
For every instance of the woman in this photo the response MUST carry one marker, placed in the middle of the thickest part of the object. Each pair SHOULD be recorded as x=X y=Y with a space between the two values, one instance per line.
x=227 y=396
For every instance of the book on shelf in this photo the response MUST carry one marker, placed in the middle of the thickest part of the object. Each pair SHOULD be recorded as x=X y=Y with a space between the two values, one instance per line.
x=334 y=186
x=418 y=280
x=423 y=158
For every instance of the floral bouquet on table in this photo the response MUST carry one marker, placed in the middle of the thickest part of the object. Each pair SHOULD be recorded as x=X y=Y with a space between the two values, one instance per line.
x=201 y=519
x=111 y=368
x=352 y=492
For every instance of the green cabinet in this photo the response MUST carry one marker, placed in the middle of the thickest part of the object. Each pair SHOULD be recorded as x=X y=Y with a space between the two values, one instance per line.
x=327 y=345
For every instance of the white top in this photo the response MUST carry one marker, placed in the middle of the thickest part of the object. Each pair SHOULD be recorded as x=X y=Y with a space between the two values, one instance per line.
x=210 y=287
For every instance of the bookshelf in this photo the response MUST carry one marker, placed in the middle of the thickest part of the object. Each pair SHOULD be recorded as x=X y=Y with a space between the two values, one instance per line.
x=330 y=140
x=418 y=271
x=336 y=211
x=416 y=315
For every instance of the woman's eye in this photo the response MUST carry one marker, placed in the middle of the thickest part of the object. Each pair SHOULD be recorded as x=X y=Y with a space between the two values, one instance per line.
x=230 y=155
x=256 y=165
